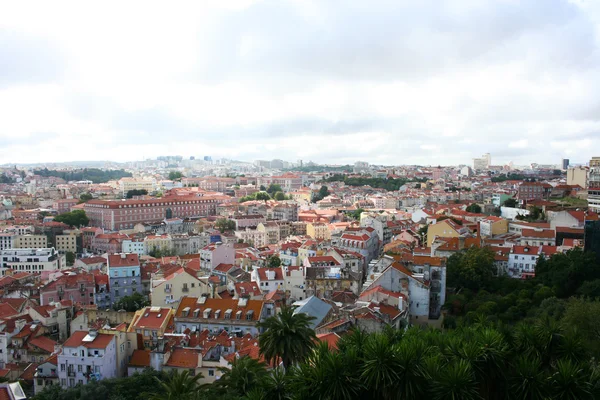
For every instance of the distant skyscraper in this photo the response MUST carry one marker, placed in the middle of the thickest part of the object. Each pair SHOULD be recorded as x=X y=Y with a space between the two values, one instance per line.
x=565 y=163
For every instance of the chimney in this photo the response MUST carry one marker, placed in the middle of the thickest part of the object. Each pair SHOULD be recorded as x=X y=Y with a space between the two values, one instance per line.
x=123 y=256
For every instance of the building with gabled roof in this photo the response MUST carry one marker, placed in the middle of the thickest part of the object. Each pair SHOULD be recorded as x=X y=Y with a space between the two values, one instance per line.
x=124 y=274
x=169 y=287
x=151 y=323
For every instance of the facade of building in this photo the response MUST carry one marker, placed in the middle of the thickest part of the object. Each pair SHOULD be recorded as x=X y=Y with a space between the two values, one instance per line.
x=534 y=191
x=215 y=254
x=31 y=242
x=86 y=356
x=124 y=275
x=66 y=243
x=125 y=214
x=578 y=176
x=594 y=185
x=80 y=288
x=34 y=261
x=168 y=289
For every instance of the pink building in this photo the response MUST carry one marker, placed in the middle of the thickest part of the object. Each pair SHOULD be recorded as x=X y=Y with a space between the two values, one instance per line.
x=125 y=214
x=108 y=243
x=64 y=205
x=79 y=288
x=215 y=254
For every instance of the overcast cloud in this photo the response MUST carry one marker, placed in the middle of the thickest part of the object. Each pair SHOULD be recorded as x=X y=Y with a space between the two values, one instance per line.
x=389 y=82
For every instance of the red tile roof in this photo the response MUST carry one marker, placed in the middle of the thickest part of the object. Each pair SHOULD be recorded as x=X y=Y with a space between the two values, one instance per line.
x=43 y=342
x=117 y=260
x=262 y=273
x=219 y=304
x=183 y=358
x=101 y=341
x=140 y=358
x=150 y=319
x=330 y=338
x=531 y=250
x=542 y=234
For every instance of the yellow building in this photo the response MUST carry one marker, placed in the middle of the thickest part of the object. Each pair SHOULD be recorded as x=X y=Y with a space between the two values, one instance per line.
x=492 y=226
x=161 y=242
x=66 y=243
x=31 y=242
x=318 y=231
x=167 y=290
x=446 y=228
x=151 y=323
x=127 y=184
x=578 y=176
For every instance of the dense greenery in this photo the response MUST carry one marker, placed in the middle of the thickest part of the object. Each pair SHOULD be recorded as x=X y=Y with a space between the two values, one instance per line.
x=475 y=295
x=6 y=179
x=225 y=224
x=381 y=183
x=137 y=387
x=131 y=303
x=157 y=252
x=262 y=195
x=175 y=175
x=85 y=197
x=274 y=262
x=70 y=257
x=510 y=203
x=87 y=174
x=75 y=218
x=323 y=192
x=136 y=192
x=474 y=208
x=512 y=177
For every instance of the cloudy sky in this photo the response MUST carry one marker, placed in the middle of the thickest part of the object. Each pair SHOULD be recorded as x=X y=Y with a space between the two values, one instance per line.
x=389 y=82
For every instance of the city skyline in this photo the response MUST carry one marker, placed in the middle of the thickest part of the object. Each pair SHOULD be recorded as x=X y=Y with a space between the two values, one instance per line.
x=390 y=83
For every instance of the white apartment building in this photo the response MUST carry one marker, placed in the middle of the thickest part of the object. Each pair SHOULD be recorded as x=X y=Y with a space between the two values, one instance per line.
x=34 y=261
x=86 y=356
x=136 y=246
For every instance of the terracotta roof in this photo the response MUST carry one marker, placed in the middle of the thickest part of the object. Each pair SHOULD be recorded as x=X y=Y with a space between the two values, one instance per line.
x=140 y=358
x=29 y=372
x=183 y=358
x=101 y=341
x=531 y=250
x=247 y=288
x=330 y=338
x=93 y=260
x=150 y=319
x=543 y=234
x=323 y=259
x=220 y=304
x=43 y=342
x=224 y=268
x=262 y=273
x=433 y=261
x=6 y=310
x=116 y=260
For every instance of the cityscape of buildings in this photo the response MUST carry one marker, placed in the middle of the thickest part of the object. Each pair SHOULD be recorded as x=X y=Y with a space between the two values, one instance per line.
x=214 y=247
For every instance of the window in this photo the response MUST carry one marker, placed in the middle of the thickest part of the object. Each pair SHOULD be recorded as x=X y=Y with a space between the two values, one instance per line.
x=211 y=372
x=80 y=368
x=62 y=367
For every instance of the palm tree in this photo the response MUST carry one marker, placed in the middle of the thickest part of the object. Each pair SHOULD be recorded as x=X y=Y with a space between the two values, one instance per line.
x=288 y=337
x=528 y=380
x=455 y=381
x=245 y=375
x=570 y=381
x=381 y=368
x=178 y=386
x=277 y=385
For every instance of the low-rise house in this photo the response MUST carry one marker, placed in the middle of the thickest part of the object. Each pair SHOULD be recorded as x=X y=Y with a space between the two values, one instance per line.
x=46 y=374
x=268 y=279
x=492 y=226
x=538 y=237
x=79 y=288
x=151 y=323
x=522 y=261
x=215 y=254
x=321 y=311
x=169 y=287
x=86 y=356
x=91 y=263
x=325 y=275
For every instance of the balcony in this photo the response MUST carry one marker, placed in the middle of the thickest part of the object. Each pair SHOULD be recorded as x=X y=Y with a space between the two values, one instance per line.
x=185 y=289
x=167 y=290
x=71 y=373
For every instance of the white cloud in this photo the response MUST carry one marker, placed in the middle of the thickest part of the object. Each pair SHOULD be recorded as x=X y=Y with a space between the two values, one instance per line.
x=389 y=82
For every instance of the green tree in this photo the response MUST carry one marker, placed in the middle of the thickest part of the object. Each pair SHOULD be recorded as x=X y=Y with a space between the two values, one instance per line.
x=274 y=188
x=262 y=196
x=512 y=203
x=474 y=208
x=225 y=224
x=136 y=192
x=274 y=262
x=279 y=196
x=472 y=268
x=175 y=175
x=75 y=218
x=131 y=303
x=288 y=337
x=70 y=256
x=246 y=374
x=178 y=385
x=84 y=197
x=356 y=213
x=566 y=272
